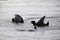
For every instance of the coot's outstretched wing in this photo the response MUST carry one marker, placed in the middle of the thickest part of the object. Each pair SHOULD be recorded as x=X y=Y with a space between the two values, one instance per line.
x=41 y=21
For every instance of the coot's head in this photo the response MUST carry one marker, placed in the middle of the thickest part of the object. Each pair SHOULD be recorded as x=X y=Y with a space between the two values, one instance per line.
x=13 y=20
x=33 y=22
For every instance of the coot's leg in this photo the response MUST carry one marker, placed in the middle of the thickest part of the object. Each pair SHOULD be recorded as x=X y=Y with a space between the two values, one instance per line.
x=35 y=27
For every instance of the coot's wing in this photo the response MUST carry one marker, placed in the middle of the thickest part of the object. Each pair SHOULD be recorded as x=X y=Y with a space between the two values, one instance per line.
x=40 y=22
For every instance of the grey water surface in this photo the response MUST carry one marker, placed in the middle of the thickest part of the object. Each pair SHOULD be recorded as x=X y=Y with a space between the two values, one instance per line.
x=29 y=10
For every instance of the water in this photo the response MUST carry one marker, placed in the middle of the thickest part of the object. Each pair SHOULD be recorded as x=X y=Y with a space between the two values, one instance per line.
x=9 y=30
x=31 y=7
x=29 y=10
